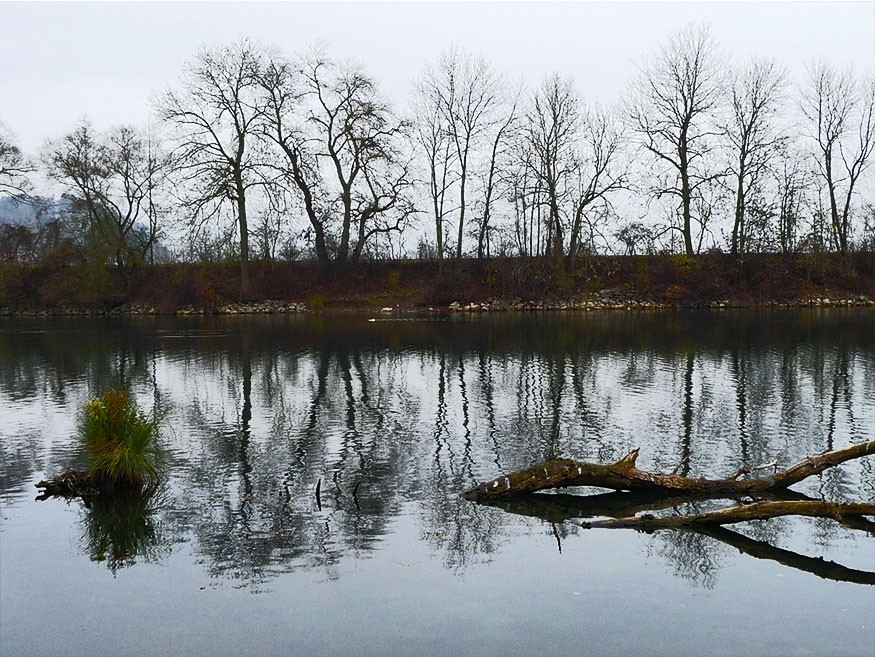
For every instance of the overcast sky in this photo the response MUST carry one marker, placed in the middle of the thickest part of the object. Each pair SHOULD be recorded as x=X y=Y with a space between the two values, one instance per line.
x=60 y=61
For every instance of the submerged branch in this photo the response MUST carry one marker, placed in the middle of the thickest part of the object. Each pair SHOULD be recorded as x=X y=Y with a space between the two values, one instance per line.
x=87 y=485
x=69 y=484
x=644 y=491
x=624 y=475
x=741 y=513
x=560 y=508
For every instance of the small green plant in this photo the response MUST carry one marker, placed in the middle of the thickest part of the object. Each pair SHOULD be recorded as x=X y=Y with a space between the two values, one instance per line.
x=686 y=264
x=642 y=274
x=120 y=440
x=316 y=302
x=491 y=279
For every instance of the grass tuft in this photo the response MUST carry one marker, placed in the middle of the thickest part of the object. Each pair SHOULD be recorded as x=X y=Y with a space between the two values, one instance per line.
x=120 y=440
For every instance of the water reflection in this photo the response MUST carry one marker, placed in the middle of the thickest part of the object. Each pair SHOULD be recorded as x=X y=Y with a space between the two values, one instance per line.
x=393 y=419
x=123 y=529
x=695 y=553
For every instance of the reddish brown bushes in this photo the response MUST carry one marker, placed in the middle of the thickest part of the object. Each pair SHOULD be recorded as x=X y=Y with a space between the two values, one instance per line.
x=674 y=279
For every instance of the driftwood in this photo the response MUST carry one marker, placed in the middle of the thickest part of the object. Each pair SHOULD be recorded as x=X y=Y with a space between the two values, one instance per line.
x=562 y=508
x=624 y=475
x=69 y=484
x=85 y=485
x=643 y=491
x=746 y=512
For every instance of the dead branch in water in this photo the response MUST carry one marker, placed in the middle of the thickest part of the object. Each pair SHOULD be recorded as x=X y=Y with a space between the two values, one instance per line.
x=624 y=475
x=747 y=512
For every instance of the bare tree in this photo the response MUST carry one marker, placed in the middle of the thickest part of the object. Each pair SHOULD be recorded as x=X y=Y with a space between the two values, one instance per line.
x=342 y=148
x=111 y=177
x=158 y=169
x=284 y=123
x=466 y=92
x=756 y=97
x=432 y=135
x=633 y=236
x=521 y=193
x=791 y=183
x=840 y=112
x=551 y=132
x=670 y=108
x=216 y=151
x=503 y=129
x=14 y=167
x=599 y=173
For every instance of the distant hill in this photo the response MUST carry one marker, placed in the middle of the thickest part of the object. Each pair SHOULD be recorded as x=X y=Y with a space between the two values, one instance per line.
x=38 y=210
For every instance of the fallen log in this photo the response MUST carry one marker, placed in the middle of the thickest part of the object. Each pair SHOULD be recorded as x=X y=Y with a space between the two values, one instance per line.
x=562 y=508
x=69 y=484
x=739 y=514
x=86 y=485
x=624 y=475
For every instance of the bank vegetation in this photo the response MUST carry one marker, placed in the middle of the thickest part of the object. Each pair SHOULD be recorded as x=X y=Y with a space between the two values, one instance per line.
x=288 y=169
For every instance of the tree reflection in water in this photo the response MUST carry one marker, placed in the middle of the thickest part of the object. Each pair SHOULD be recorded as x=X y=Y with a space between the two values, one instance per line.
x=695 y=552
x=395 y=418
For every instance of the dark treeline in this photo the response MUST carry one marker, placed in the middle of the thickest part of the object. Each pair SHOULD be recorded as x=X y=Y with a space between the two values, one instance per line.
x=256 y=155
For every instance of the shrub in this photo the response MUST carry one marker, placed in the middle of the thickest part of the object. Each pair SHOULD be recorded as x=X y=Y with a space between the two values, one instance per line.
x=685 y=264
x=120 y=440
x=316 y=302
x=677 y=294
x=90 y=284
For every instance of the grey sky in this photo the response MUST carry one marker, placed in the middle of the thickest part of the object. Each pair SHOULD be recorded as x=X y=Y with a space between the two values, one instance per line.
x=59 y=61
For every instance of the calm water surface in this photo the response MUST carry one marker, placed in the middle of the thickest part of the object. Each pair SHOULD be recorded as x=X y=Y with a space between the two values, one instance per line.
x=391 y=419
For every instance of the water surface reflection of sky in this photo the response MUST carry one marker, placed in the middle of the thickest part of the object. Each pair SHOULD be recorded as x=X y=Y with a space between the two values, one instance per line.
x=391 y=420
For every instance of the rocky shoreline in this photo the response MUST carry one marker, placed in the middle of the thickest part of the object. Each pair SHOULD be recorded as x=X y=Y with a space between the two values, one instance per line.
x=608 y=300
x=602 y=303
x=266 y=307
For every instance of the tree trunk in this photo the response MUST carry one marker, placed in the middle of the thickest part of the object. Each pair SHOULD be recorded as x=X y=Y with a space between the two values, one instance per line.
x=686 y=210
x=343 y=247
x=244 y=240
x=464 y=174
x=623 y=475
x=321 y=248
x=738 y=226
x=438 y=229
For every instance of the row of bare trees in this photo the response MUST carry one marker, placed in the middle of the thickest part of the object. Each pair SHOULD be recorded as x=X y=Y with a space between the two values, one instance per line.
x=286 y=151
x=306 y=133
x=695 y=138
x=714 y=127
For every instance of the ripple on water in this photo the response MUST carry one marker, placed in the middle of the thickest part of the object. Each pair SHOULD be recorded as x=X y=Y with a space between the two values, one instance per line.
x=392 y=424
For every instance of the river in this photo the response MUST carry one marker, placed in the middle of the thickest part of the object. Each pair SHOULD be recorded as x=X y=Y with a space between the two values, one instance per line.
x=390 y=418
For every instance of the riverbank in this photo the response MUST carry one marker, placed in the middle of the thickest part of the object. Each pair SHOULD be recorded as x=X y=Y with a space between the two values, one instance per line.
x=598 y=303
x=509 y=284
